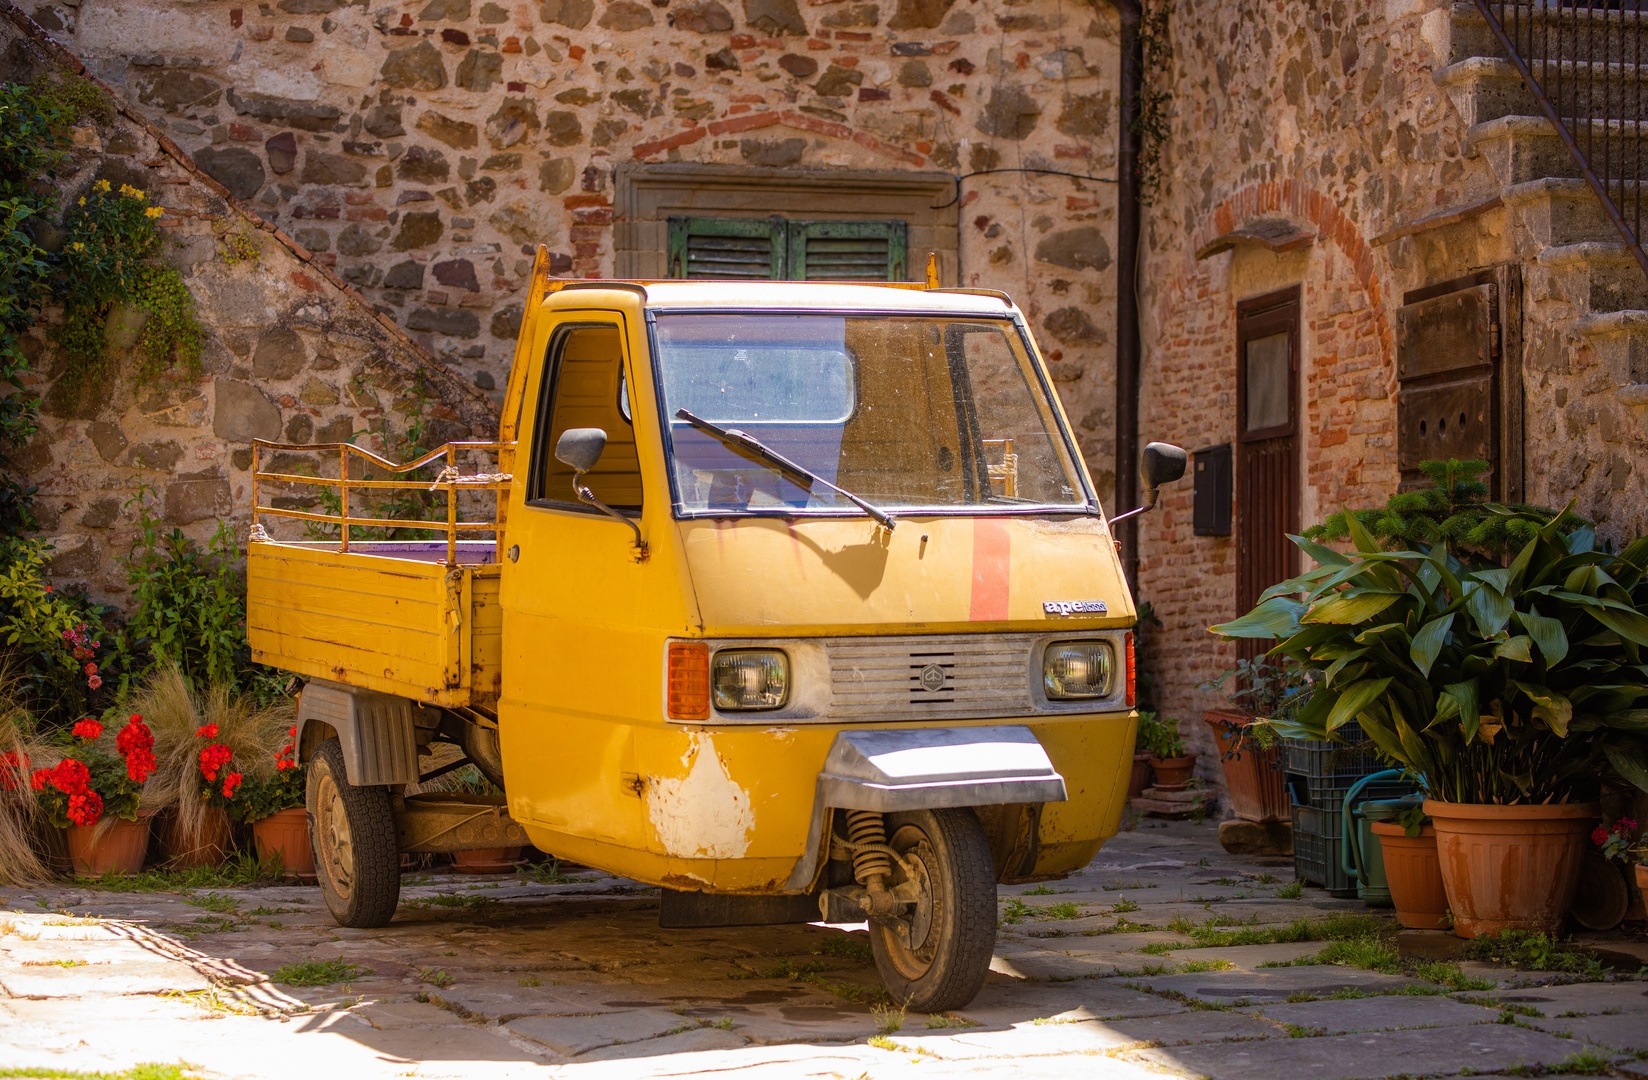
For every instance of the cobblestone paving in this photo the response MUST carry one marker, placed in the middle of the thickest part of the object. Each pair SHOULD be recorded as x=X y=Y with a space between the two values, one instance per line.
x=487 y=976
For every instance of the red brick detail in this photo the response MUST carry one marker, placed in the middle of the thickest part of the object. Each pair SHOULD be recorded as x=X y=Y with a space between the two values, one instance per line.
x=744 y=123
x=578 y=202
x=305 y=282
x=945 y=102
x=646 y=150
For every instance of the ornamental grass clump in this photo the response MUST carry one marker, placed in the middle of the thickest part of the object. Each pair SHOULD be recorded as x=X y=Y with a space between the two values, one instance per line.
x=1515 y=684
x=208 y=743
x=22 y=750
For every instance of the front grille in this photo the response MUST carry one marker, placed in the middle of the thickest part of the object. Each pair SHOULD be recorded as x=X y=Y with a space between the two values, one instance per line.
x=984 y=675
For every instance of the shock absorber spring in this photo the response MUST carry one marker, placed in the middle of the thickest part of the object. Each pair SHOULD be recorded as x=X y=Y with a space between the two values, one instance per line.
x=867 y=827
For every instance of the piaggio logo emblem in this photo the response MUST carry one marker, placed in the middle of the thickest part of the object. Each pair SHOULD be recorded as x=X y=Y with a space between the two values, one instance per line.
x=932 y=678
x=1074 y=607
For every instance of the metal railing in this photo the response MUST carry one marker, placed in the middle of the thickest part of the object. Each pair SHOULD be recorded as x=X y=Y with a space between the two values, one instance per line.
x=1580 y=59
x=450 y=481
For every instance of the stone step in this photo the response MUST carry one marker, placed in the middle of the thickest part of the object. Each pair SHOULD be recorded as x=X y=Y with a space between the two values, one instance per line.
x=1523 y=148
x=1597 y=276
x=1619 y=341
x=1559 y=33
x=1485 y=88
x=1558 y=211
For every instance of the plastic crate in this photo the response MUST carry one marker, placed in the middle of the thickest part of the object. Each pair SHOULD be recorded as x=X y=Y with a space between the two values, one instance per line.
x=1317 y=837
x=1326 y=764
x=1316 y=848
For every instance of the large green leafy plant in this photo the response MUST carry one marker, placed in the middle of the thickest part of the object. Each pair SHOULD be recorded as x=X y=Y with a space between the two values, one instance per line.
x=1496 y=684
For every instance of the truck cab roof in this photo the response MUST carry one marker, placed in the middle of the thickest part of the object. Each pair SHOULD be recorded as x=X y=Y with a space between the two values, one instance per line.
x=809 y=295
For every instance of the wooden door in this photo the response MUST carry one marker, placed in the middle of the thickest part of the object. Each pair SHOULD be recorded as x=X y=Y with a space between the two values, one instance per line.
x=1267 y=454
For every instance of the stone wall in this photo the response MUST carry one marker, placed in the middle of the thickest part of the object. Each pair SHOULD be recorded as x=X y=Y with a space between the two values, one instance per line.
x=290 y=353
x=1325 y=116
x=422 y=148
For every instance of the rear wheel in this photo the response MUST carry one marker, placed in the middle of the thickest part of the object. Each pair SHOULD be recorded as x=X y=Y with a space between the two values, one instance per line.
x=933 y=954
x=352 y=833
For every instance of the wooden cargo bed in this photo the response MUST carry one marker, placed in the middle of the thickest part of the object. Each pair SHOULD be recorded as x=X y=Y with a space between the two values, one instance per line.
x=385 y=615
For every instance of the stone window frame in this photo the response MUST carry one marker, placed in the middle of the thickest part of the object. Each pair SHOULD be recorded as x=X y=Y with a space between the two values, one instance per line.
x=647 y=195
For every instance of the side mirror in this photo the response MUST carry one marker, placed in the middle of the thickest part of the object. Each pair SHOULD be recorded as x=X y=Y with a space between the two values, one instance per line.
x=581 y=447
x=1161 y=463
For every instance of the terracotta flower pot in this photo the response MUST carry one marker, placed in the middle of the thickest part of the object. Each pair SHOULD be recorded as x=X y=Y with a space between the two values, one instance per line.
x=1173 y=772
x=286 y=833
x=1255 y=779
x=1509 y=867
x=1140 y=778
x=112 y=844
x=1642 y=876
x=486 y=860
x=1413 y=875
x=207 y=849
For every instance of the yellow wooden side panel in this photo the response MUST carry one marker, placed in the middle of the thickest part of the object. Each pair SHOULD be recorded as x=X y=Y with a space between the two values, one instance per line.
x=381 y=624
x=486 y=643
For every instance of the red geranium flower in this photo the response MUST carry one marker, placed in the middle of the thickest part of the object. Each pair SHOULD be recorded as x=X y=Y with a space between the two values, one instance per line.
x=88 y=728
x=212 y=759
x=230 y=783
x=85 y=807
x=209 y=731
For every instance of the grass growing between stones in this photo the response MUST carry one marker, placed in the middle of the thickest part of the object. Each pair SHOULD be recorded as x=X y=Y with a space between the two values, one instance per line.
x=469 y=902
x=847 y=947
x=236 y=872
x=1586 y=1062
x=945 y=1020
x=316 y=972
x=1531 y=952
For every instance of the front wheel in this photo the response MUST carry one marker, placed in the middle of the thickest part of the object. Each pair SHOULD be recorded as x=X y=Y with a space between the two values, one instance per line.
x=933 y=955
x=357 y=851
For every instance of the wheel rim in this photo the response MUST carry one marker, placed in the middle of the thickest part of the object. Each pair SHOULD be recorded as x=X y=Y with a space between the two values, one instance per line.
x=332 y=830
x=912 y=937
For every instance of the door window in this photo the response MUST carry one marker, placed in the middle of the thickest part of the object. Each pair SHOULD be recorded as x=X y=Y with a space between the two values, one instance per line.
x=584 y=386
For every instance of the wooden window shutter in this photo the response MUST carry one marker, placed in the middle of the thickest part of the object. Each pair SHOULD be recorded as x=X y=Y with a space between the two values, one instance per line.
x=728 y=249
x=772 y=249
x=847 y=250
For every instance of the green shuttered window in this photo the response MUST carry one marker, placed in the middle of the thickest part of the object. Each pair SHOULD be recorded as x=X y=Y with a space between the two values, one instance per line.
x=773 y=249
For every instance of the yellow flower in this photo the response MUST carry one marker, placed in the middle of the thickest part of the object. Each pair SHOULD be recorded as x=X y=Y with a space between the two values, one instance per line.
x=153 y=212
x=78 y=246
x=82 y=200
x=102 y=185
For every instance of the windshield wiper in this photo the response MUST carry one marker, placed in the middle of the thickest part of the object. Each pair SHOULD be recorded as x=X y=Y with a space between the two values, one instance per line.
x=750 y=447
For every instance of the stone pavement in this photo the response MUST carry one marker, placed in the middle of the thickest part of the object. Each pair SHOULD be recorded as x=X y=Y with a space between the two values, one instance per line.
x=487 y=977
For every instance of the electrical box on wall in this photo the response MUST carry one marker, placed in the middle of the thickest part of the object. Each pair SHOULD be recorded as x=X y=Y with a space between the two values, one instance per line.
x=1212 y=482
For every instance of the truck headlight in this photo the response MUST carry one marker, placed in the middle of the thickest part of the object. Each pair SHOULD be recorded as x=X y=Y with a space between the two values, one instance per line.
x=745 y=679
x=1078 y=669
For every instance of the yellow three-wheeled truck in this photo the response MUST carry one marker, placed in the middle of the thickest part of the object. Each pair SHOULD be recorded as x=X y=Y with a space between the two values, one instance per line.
x=798 y=602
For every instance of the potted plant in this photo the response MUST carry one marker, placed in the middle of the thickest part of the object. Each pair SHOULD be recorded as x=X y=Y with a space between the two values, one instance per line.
x=209 y=742
x=1604 y=894
x=273 y=807
x=1248 y=752
x=1172 y=766
x=469 y=781
x=1510 y=691
x=94 y=795
x=1141 y=776
x=1412 y=870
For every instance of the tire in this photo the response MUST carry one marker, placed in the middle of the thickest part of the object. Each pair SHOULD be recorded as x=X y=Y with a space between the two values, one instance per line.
x=934 y=956
x=352 y=834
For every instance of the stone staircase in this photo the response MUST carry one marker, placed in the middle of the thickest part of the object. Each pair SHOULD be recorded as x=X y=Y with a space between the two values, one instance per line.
x=1569 y=237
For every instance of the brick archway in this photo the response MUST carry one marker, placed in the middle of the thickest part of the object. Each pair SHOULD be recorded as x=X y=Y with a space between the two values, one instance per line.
x=1296 y=200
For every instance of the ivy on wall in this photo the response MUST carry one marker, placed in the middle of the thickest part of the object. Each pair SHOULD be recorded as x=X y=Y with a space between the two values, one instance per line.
x=1151 y=121
x=100 y=261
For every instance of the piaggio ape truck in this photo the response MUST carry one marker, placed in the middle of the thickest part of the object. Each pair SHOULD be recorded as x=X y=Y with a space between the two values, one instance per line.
x=794 y=599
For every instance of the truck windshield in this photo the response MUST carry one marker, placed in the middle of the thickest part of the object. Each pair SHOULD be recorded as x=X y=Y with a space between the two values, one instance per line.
x=909 y=412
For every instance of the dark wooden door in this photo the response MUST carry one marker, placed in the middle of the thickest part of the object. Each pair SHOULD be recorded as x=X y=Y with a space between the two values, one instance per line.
x=1267 y=448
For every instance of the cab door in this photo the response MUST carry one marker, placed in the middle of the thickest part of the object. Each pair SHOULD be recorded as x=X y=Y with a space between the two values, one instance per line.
x=574 y=596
